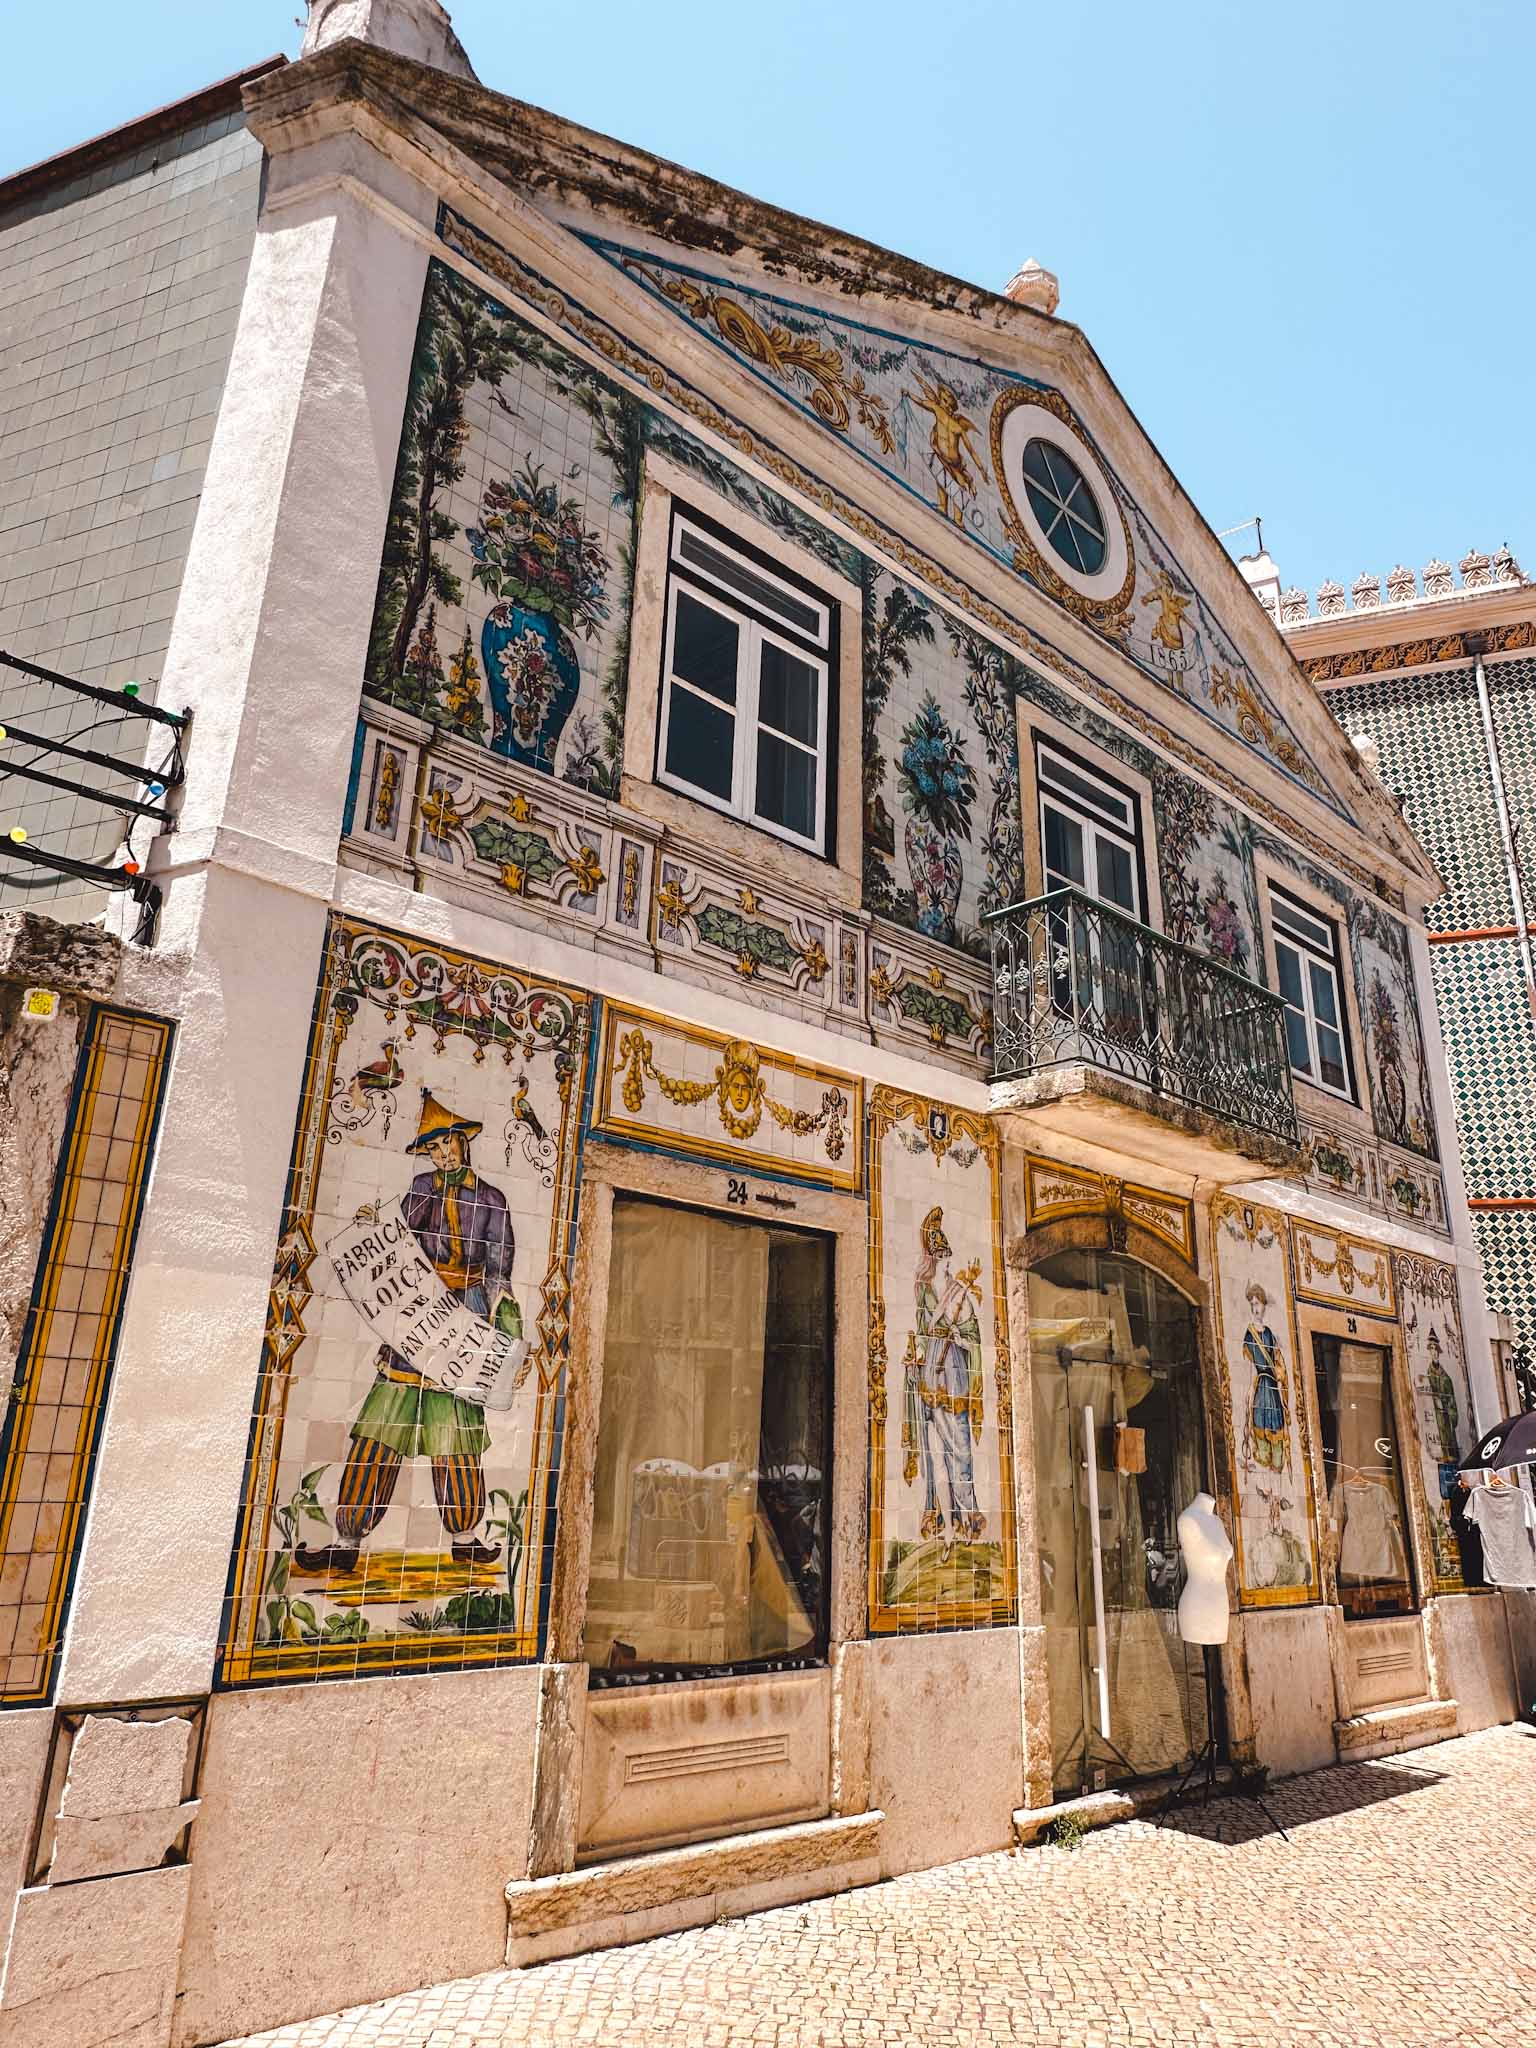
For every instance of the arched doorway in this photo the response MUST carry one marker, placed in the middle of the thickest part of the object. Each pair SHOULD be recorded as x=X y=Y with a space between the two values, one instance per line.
x=1119 y=1452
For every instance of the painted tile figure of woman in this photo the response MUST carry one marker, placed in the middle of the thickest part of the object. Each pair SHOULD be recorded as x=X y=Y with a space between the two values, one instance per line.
x=943 y=1416
x=1267 y=1438
x=465 y=1228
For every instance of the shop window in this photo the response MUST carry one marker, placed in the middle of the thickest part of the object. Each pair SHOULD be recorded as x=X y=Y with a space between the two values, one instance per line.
x=1362 y=1476
x=746 y=701
x=710 y=1511
x=1307 y=968
x=1119 y=1439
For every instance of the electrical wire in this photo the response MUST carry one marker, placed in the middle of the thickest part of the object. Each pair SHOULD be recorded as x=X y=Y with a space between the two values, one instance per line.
x=172 y=764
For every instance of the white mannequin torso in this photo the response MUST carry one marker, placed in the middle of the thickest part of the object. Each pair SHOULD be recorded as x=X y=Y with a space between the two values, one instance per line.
x=1207 y=1552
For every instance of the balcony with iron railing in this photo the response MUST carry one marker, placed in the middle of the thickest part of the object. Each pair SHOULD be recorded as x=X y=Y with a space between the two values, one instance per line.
x=1107 y=1029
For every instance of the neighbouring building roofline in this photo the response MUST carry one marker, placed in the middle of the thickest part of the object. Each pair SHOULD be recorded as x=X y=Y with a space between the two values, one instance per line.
x=224 y=96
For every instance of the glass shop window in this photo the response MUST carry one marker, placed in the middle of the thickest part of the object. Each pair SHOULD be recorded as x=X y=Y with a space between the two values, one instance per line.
x=1307 y=965
x=710 y=1510
x=1362 y=1475
x=746 y=694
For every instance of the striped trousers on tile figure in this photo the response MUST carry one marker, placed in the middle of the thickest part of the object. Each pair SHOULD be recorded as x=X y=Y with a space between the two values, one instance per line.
x=368 y=1486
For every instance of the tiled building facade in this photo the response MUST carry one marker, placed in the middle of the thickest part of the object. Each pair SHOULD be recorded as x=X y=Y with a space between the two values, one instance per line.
x=121 y=276
x=1438 y=675
x=793 y=1035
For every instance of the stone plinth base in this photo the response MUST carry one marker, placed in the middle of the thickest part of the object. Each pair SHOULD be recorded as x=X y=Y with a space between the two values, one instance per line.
x=643 y=1896
x=1384 y=1731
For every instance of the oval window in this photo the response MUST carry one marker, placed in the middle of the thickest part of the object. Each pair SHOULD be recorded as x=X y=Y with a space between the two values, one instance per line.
x=1067 y=510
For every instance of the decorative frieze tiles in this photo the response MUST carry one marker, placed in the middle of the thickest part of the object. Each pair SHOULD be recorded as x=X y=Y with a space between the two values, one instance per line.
x=441 y=815
x=1339 y=1162
x=436 y=814
x=929 y=999
x=713 y=926
x=1054 y=1191
x=1341 y=1271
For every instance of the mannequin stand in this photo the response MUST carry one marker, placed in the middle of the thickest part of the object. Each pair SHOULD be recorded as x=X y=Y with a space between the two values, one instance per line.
x=1203 y=1764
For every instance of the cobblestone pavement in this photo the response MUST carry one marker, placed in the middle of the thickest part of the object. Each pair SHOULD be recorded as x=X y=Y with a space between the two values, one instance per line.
x=1401 y=1913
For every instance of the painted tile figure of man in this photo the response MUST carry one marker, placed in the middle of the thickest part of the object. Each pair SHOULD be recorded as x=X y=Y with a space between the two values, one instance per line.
x=944 y=1387
x=1267 y=1439
x=1442 y=1393
x=463 y=1225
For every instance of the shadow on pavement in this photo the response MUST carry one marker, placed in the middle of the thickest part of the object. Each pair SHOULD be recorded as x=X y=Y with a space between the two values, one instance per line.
x=1296 y=1803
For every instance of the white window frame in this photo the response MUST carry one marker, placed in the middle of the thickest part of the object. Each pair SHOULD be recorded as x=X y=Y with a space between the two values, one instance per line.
x=1324 y=952
x=813 y=650
x=1117 y=803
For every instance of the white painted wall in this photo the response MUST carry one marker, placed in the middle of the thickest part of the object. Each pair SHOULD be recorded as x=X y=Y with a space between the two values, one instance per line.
x=267 y=649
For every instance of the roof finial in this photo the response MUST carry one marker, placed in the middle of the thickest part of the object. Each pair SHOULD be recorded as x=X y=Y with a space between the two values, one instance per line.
x=1034 y=286
x=419 y=29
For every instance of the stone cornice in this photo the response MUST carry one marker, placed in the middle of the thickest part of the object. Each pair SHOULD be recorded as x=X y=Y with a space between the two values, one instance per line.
x=1355 y=644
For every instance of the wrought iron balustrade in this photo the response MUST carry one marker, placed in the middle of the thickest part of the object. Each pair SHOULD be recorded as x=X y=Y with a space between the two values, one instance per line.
x=1075 y=981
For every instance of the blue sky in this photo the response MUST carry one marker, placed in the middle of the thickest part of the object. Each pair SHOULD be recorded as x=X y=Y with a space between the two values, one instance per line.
x=1300 y=237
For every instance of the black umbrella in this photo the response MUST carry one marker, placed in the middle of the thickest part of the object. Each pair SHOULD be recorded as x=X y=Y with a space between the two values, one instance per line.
x=1510 y=1442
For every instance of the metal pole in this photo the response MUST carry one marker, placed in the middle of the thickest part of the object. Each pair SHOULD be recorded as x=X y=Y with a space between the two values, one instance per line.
x=1096 y=1544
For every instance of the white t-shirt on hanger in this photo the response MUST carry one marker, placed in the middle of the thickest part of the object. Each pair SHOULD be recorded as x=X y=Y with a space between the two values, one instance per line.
x=1505 y=1518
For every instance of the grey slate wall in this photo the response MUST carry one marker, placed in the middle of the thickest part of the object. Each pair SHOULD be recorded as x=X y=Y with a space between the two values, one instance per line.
x=119 y=294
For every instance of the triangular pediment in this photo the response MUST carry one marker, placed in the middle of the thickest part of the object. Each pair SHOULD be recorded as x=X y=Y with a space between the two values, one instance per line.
x=952 y=430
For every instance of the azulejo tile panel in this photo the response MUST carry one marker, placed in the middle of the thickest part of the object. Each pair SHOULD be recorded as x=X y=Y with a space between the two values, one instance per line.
x=1436 y=1357
x=676 y=398
x=1053 y=1191
x=1412 y=1191
x=759 y=937
x=503 y=600
x=63 y=1373
x=941 y=1501
x=1205 y=863
x=487 y=836
x=463 y=721
x=1491 y=1060
x=1340 y=1163
x=1258 y=1362
x=941 y=425
x=680 y=1088
x=1394 y=1040
x=1506 y=1242
x=921 y=996
x=387 y=1522
x=1341 y=1271
x=943 y=840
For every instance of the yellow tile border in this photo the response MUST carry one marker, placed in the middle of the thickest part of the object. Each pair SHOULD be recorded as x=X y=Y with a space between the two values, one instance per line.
x=738 y=1094
x=69 y=1179
x=889 y=1107
x=242 y=1659
x=1168 y=1217
x=1223 y=1206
